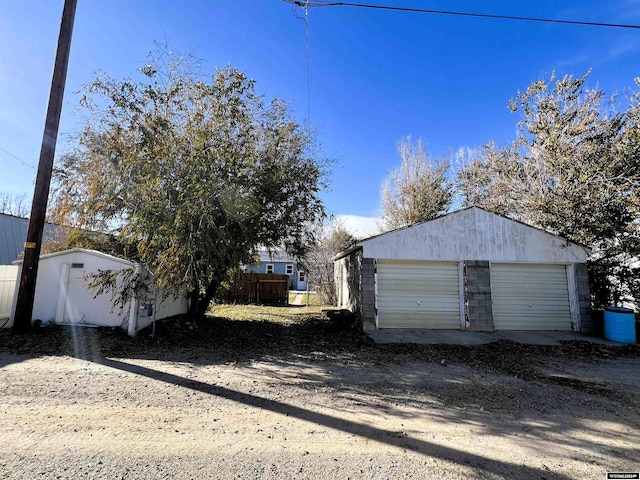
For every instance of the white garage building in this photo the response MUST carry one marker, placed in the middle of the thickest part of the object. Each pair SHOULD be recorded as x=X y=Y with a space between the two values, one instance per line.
x=63 y=297
x=469 y=270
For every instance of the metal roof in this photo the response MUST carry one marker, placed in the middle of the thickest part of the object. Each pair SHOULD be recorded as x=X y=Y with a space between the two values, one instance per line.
x=13 y=233
x=472 y=234
x=275 y=256
x=83 y=251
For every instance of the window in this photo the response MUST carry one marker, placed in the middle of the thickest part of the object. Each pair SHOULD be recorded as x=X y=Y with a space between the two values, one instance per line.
x=289 y=270
x=301 y=276
x=269 y=267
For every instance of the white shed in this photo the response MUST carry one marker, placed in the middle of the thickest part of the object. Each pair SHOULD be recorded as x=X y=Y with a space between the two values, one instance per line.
x=470 y=269
x=63 y=296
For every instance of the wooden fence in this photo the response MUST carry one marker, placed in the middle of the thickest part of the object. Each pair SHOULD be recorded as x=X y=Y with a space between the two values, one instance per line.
x=261 y=288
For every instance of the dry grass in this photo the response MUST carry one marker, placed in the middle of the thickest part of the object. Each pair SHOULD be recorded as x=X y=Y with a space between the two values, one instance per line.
x=288 y=315
x=241 y=332
x=314 y=299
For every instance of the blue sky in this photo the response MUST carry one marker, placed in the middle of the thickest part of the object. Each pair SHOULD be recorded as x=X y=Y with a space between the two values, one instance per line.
x=376 y=76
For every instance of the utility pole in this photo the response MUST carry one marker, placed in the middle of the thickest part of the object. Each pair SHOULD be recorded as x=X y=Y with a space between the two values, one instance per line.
x=33 y=244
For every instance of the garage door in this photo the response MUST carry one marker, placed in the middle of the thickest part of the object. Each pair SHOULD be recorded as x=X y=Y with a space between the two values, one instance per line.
x=414 y=294
x=530 y=297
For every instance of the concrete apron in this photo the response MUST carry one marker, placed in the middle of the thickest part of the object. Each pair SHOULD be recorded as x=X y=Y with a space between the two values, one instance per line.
x=459 y=337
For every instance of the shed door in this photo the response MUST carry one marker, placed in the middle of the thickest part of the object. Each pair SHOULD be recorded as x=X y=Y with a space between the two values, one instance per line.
x=530 y=297
x=414 y=294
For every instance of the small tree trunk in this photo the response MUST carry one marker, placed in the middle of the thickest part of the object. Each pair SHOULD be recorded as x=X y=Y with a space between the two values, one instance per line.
x=205 y=300
x=193 y=301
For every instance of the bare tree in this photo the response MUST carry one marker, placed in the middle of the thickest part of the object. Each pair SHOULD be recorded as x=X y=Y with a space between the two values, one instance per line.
x=332 y=237
x=497 y=179
x=416 y=191
x=14 y=204
x=574 y=170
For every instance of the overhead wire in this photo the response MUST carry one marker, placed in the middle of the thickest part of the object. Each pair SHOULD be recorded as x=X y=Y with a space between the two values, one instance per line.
x=318 y=3
x=306 y=4
x=17 y=158
x=306 y=22
x=305 y=19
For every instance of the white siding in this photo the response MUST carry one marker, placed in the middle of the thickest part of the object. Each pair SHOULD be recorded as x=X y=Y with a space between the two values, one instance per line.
x=8 y=285
x=418 y=295
x=62 y=295
x=530 y=297
x=473 y=234
x=162 y=308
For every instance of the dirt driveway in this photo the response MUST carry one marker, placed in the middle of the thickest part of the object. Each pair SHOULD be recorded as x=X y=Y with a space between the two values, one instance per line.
x=296 y=399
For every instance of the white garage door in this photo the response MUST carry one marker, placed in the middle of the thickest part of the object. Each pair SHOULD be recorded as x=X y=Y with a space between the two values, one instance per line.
x=530 y=297
x=414 y=294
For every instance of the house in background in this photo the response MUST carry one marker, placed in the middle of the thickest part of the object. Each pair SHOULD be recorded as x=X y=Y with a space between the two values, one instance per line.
x=281 y=263
x=467 y=270
x=13 y=233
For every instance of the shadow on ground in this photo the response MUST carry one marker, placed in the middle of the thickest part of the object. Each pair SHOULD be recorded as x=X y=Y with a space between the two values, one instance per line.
x=393 y=438
x=216 y=340
x=332 y=359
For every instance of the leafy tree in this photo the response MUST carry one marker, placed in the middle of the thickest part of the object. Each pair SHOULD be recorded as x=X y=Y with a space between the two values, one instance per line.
x=329 y=240
x=191 y=174
x=416 y=191
x=574 y=170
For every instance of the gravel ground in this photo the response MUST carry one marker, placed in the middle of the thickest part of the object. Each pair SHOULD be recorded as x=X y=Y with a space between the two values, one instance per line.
x=301 y=398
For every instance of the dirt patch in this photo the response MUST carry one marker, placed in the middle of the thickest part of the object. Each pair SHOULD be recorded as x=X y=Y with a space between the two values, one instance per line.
x=223 y=398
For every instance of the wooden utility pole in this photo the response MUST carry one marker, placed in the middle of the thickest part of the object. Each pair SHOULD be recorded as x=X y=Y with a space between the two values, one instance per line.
x=33 y=244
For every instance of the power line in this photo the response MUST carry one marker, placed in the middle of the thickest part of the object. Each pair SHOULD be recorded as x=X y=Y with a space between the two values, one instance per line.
x=17 y=158
x=306 y=22
x=305 y=19
x=319 y=3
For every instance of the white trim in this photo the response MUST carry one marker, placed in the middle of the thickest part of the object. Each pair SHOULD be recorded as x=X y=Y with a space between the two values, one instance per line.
x=266 y=268
x=375 y=291
x=288 y=269
x=493 y=308
x=133 y=312
x=574 y=303
x=302 y=277
x=95 y=253
x=463 y=320
x=62 y=293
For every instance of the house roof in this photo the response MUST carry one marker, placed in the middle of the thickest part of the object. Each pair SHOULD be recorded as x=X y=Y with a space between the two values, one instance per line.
x=471 y=233
x=456 y=212
x=267 y=256
x=13 y=233
x=84 y=251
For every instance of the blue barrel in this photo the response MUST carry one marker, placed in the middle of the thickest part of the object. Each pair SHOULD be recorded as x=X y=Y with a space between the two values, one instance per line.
x=619 y=324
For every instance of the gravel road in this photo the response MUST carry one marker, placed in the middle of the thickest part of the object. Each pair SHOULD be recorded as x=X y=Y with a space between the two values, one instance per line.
x=271 y=402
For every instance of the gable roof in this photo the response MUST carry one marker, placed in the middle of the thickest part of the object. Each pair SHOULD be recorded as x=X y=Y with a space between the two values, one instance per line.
x=472 y=233
x=84 y=251
x=280 y=256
